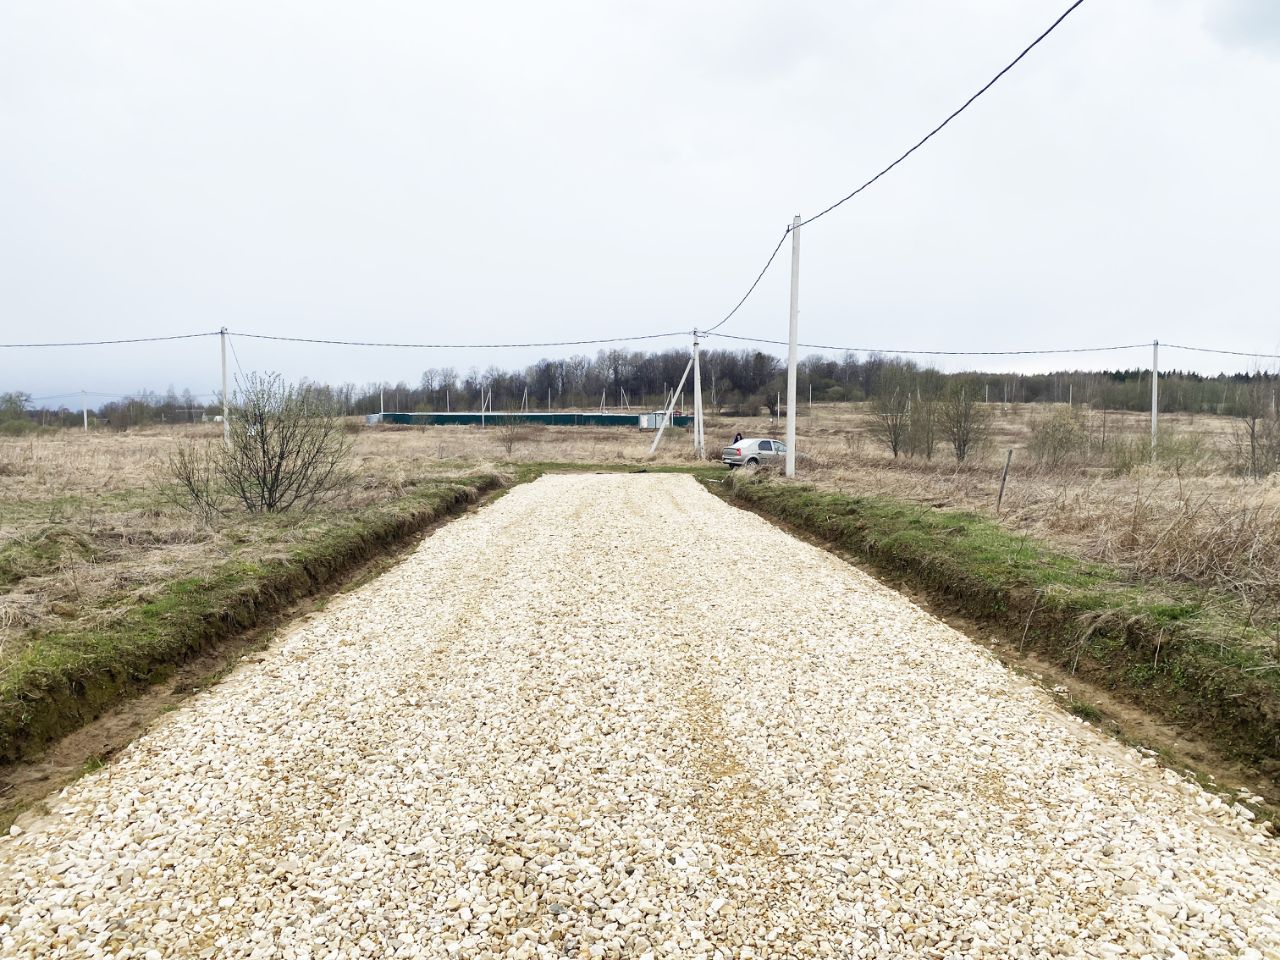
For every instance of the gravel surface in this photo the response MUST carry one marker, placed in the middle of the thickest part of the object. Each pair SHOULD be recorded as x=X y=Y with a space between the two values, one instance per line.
x=611 y=716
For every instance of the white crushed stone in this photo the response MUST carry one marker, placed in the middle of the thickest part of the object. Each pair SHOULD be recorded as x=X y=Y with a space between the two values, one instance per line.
x=610 y=716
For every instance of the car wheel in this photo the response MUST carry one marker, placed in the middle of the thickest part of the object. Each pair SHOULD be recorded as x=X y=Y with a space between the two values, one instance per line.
x=753 y=462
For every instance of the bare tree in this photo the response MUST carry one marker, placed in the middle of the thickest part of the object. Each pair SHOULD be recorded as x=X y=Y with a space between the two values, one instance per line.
x=891 y=419
x=922 y=415
x=965 y=423
x=1257 y=432
x=511 y=430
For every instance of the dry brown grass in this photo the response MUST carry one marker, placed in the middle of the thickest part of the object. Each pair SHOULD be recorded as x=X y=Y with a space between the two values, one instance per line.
x=84 y=515
x=1191 y=517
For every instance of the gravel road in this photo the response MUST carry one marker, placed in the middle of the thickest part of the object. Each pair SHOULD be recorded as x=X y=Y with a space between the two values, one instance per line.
x=610 y=716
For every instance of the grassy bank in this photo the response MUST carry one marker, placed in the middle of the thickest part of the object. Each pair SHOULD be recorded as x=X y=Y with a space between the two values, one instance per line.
x=1184 y=653
x=63 y=678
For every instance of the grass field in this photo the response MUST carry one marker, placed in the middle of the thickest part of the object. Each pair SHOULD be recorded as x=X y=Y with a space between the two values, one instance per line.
x=89 y=535
x=86 y=527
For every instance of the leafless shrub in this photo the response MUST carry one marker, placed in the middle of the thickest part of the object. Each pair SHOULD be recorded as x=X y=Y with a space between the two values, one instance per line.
x=1179 y=452
x=891 y=418
x=1126 y=453
x=922 y=425
x=197 y=484
x=511 y=431
x=1057 y=439
x=287 y=448
x=964 y=421
x=1257 y=431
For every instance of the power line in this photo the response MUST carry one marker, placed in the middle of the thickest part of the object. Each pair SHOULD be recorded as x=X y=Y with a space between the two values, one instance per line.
x=937 y=353
x=236 y=356
x=362 y=343
x=1231 y=353
x=143 y=396
x=102 y=343
x=964 y=106
x=463 y=346
x=920 y=143
x=755 y=283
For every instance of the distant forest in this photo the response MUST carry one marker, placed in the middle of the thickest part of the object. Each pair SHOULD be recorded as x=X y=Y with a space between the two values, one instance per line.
x=744 y=382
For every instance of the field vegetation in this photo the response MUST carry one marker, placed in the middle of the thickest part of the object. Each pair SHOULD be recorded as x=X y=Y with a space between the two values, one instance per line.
x=94 y=547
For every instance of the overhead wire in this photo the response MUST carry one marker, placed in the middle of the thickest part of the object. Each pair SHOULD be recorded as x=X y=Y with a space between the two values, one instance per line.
x=961 y=109
x=236 y=356
x=920 y=143
x=1231 y=353
x=755 y=283
x=359 y=343
x=463 y=346
x=934 y=353
x=102 y=343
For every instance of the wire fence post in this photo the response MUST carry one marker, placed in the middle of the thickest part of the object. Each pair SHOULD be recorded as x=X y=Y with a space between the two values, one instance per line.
x=1003 y=477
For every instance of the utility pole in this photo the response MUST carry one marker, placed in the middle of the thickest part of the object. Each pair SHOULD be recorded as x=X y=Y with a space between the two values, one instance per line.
x=1155 y=397
x=791 y=346
x=666 y=414
x=382 y=403
x=226 y=403
x=697 y=402
x=84 y=406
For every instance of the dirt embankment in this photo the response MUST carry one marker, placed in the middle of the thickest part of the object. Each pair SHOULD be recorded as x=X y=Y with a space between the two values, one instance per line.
x=1172 y=650
x=66 y=680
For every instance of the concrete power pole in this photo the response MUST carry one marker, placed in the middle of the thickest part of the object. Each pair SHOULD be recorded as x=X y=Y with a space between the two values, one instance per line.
x=791 y=346
x=84 y=407
x=226 y=403
x=671 y=403
x=1155 y=398
x=698 y=450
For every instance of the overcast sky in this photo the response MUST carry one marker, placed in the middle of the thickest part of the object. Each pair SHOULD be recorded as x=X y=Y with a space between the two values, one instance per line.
x=505 y=171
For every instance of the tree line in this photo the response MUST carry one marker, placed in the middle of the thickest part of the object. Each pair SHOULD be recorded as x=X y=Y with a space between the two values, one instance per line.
x=735 y=382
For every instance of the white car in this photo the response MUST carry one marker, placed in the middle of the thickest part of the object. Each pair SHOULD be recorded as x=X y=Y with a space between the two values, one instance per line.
x=752 y=452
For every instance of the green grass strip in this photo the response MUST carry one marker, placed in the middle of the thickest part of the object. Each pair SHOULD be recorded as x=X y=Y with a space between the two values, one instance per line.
x=1182 y=652
x=63 y=680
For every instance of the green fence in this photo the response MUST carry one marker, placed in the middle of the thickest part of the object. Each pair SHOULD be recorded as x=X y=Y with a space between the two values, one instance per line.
x=551 y=419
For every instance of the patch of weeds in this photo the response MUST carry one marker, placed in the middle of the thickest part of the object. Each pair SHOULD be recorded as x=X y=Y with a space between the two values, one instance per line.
x=1085 y=711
